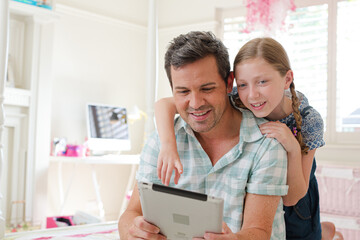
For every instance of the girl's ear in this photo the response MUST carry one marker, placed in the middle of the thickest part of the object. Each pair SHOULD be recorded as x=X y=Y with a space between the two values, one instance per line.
x=230 y=82
x=289 y=77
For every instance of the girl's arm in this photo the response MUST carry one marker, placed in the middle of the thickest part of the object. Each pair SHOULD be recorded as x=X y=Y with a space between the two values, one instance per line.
x=299 y=165
x=298 y=177
x=168 y=159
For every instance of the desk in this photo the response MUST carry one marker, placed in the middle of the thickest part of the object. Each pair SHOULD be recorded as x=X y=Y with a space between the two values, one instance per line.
x=132 y=160
x=106 y=230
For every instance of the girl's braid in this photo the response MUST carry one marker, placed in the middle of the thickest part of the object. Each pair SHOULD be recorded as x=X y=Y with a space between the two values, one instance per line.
x=298 y=118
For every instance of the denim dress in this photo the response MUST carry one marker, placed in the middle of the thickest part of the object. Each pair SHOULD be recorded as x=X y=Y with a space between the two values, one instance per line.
x=303 y=220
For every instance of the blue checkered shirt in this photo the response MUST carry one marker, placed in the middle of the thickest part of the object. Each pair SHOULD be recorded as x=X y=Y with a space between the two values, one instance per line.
x=255 y=165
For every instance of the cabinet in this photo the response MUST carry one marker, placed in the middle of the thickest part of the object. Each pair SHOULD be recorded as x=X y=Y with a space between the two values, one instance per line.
x=27 y=106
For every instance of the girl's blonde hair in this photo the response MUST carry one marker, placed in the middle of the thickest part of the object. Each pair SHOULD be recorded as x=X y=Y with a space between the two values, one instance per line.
x=273 y=53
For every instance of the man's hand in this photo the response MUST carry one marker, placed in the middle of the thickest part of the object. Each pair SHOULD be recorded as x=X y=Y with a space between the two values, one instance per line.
x=226 y=234
x=144 y=230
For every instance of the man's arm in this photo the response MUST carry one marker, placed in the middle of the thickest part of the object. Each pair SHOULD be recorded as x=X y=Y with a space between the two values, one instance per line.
x=259 y=215
x=133 y=225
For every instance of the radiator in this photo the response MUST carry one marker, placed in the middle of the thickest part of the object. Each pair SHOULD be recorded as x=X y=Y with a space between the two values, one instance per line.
x=339 y=189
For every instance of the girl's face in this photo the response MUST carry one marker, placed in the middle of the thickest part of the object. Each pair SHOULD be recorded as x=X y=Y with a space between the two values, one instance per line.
x=261 y=88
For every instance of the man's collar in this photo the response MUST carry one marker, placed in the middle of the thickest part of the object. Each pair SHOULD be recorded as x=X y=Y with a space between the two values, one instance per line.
x=181 y=124
x=249 y=131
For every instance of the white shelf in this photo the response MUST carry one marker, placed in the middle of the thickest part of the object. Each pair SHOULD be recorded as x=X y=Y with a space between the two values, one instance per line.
x=27 y=10
x=105 y=159
x=17 y=97
x=31 y=30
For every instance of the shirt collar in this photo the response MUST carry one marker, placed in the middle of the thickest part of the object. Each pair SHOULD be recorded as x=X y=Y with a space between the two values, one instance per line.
x=180 y=124
x=249 y=131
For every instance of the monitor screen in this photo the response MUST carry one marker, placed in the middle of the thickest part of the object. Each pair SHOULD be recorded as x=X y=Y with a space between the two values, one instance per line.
x=107 y=128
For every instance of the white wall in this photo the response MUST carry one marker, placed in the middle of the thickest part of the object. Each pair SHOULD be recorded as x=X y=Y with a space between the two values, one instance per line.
x=98 y=60
x=95 y=60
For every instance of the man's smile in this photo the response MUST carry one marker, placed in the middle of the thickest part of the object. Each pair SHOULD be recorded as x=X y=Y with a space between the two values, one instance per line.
x=200 y=115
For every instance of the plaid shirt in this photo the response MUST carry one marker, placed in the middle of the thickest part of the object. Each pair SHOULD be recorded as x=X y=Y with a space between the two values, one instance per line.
x=255 y=165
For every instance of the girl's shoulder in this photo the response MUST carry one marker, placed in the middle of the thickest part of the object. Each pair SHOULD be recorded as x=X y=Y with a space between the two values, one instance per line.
x=312 y=124
x=312 y=127
x=308 y=113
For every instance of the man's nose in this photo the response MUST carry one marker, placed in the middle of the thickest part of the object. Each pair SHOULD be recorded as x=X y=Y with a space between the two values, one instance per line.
x=196 y=100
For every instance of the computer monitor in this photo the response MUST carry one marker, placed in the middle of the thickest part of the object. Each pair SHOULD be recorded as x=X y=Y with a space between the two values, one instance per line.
x=107 y=128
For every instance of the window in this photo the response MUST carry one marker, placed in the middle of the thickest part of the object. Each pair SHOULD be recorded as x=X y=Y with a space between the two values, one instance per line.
x=322 y=41
x=348 y=84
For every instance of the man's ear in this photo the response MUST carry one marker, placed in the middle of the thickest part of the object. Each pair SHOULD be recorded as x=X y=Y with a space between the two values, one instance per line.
x=230 y=82
x=289 y=77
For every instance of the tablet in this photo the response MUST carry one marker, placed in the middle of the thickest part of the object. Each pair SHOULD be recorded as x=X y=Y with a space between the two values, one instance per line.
x=180 y=214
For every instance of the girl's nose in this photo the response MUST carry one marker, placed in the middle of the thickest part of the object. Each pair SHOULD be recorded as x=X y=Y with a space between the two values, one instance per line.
x=253 y=92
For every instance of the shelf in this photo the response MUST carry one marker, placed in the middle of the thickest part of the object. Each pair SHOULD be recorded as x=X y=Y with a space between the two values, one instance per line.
x=105 y=159
x=17 y=97
x=27 y=10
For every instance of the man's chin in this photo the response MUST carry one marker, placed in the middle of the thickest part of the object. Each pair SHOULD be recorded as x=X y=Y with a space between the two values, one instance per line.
x=200 y=128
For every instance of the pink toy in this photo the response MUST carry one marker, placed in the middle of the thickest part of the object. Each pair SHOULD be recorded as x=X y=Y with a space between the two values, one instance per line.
x=74 y=150
x=60 y=221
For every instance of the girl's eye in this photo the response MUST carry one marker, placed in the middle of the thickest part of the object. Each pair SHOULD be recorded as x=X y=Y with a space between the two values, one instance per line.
x=242 y=85
x=262 y=82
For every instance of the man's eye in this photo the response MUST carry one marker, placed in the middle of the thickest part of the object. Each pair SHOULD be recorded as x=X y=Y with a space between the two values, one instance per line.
x=183 y=92
x=208 y=89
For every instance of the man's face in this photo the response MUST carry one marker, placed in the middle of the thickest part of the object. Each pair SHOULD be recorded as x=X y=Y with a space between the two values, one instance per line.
x=200 y=93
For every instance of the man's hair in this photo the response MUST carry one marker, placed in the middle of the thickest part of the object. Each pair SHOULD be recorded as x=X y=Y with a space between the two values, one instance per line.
x=193 y=46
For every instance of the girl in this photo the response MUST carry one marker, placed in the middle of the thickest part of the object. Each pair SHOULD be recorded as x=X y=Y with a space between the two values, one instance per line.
x=265 y=86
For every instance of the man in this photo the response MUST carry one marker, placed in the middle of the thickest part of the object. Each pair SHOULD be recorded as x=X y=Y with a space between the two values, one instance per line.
x=221 y=148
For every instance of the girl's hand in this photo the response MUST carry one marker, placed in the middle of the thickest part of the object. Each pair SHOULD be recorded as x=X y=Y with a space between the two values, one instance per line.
x=282 y=133
x=168 y=161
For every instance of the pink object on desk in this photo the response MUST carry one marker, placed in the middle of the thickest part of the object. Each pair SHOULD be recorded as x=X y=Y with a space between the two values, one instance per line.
x=74 y=150
x=53 y=222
